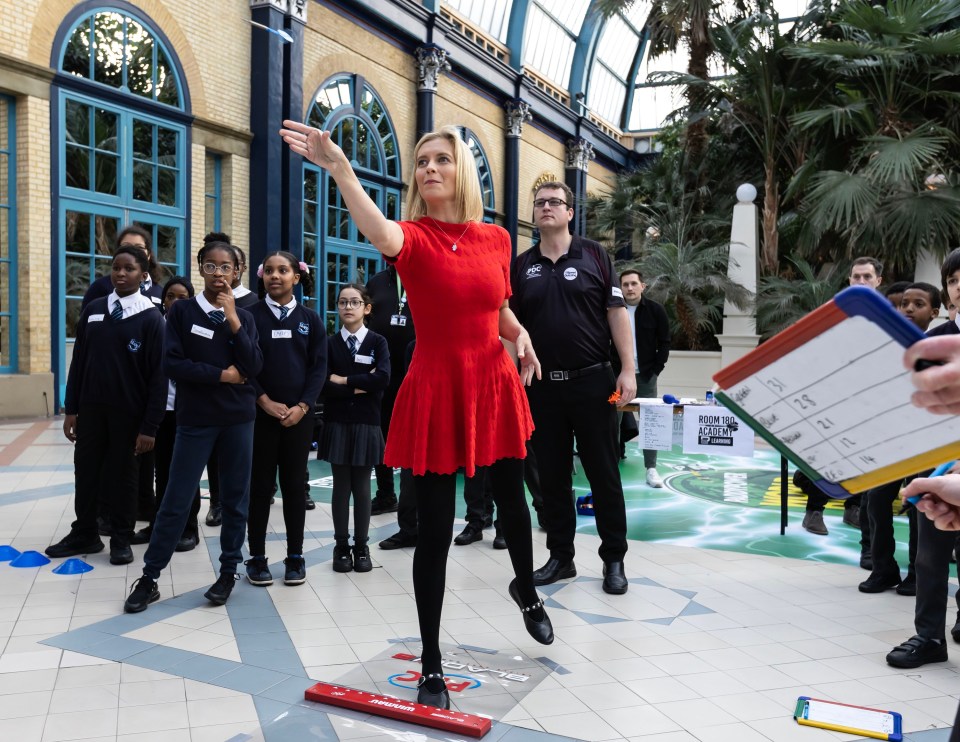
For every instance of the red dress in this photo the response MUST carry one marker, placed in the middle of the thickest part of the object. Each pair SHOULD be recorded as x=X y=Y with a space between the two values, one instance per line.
x=461 y=403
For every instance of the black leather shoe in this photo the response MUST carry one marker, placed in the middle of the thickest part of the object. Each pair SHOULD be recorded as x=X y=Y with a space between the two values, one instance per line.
x=554 y=570
x=380 y=505
x=71 y=545
x=121 y=554
x=614 y=579
x=398 y=541
x=187 y=542
x=214 y=516
x=917 y=651
x=955 y=631
x=342 y=558
x=469 y=534
x=361 y=558
x=541 y=630
x=308 y=503
x=909 y=587
x=144 y=592
x=866 y=561
x=439 y=700
x=879 y=583
x=220 y=590
x=142 y=536
x=499 y=542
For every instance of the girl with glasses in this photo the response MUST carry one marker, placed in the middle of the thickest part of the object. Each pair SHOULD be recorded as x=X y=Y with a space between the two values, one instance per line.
x=462 y=402
x=211 y=351
x=294 y=345
x=352 y=441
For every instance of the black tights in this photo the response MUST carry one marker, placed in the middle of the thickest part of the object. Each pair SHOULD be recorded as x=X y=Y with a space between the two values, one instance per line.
x=347 y=479
x=436 y=505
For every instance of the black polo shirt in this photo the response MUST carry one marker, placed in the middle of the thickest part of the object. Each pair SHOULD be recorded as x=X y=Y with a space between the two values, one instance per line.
x=564 y=305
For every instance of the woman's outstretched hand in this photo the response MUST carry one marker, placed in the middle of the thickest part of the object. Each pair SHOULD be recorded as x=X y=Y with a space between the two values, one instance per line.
x=313 y=144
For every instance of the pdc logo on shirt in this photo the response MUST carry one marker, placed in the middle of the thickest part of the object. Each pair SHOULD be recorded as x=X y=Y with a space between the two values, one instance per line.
x=134 y=345
x=534 y=271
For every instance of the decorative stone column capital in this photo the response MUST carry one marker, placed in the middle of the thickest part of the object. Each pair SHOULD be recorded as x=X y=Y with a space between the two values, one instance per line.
x=431 y=62
x=518 y=111
x=579 y=154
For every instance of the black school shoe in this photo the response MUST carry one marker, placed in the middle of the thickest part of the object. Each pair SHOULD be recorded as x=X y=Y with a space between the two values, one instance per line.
x=143 y=592
x=296 y=571
x=308 y=503
x=361 y=558
x=878 y=583
x=342 y=558
x=258 y=573
x=383 y=504
x=220 y=590
x=121 y=554
x=541 y=630
x=917 y=651
x=398 y=541
x=74 y=545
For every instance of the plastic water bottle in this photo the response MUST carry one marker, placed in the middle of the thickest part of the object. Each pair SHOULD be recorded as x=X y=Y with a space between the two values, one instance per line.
x=709 y=397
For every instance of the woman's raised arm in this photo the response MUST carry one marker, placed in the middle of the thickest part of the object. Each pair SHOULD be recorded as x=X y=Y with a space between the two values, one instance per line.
x=317 y=147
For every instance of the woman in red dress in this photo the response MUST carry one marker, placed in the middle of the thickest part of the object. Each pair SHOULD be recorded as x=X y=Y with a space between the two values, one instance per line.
x=461 y=403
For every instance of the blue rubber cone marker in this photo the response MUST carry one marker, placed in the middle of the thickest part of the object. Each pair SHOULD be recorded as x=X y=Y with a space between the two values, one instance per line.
x=73 y=566
x=30 y=559
x=8 y=553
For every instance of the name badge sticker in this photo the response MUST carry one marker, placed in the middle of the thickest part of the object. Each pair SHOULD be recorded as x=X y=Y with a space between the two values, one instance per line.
x=204 y=332
x=95 y=318
x=282 y=334
x=365 y=360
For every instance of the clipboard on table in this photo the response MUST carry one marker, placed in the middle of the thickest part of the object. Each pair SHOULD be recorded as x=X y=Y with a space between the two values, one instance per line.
x=831 y=394
x=842 y=717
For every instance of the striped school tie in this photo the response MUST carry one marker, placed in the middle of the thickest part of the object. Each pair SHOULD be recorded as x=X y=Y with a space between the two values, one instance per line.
x=352 y=345
x=217 y=316
x=283 y=313
x=117 y=313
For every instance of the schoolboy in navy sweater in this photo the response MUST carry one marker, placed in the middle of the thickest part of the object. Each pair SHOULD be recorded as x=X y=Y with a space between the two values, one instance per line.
x=114 y=403
x=294 y=345
x=211 y=352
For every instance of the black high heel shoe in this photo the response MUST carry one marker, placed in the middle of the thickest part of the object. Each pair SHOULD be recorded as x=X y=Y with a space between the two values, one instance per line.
x=439 y=700
x=541 y=630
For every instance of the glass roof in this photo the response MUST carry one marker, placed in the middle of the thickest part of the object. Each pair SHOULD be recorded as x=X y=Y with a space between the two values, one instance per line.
x=556 y=44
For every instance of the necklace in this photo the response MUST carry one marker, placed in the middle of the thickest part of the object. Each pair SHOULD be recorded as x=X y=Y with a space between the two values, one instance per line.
x=454 y=245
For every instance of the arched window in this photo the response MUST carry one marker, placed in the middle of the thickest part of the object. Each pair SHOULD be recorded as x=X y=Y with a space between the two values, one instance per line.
x=120 y=124
x=336 y=252
x=483 y=171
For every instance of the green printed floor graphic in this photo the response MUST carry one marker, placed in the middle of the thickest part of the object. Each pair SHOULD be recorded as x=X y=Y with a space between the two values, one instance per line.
x=710 y=502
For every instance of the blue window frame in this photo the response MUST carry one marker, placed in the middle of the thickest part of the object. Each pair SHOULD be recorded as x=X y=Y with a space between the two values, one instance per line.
x=351 y=110
x=212 y=192
x=483 y=172
x=122 y=155
x=8 y=236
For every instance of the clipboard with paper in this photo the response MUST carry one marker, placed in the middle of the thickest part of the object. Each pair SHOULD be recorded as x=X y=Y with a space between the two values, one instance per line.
x=832 y=395
x=843 y=717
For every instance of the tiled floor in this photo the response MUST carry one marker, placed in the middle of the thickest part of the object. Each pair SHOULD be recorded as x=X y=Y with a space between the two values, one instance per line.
x=708 y=645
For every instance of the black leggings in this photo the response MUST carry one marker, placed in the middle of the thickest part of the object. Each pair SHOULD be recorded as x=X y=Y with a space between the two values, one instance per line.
x=347 y=479
x=436 y=505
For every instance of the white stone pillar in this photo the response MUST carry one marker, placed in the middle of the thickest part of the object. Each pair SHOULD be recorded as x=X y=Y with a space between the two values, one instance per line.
x=739 y=325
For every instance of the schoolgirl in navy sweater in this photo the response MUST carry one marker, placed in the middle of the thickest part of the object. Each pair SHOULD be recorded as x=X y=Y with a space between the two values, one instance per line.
x=137 y=237
x=294 y=347
x=176 y=289
x=211 y=352
x=113 y=405
x=352 y=440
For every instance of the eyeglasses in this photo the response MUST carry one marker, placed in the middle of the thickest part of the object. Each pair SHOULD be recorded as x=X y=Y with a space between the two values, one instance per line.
x=350 y=303
x=213 y=269
x=554 y=203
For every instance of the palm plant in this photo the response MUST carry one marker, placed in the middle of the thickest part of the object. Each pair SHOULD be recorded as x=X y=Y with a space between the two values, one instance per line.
x=781 y=300
x=894 y=78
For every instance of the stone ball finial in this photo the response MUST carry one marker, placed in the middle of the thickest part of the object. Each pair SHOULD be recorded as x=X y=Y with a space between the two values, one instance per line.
x=746 y=193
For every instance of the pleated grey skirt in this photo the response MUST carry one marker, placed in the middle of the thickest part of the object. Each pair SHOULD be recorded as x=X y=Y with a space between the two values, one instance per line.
x=351 y=444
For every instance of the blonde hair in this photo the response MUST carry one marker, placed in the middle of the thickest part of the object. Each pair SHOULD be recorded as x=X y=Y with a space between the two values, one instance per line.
x=468 y=198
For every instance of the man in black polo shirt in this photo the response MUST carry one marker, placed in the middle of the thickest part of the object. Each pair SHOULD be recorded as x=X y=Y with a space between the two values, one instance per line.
x=567 y=296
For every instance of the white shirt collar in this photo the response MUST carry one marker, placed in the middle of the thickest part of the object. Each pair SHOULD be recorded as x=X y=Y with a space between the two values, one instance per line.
x=206 y=306
x=360 y=334
x=240 y=291
x=275 y=307
x=132 y=304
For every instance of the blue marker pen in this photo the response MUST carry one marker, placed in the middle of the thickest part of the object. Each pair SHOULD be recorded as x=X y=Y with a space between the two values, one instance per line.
x=939 y=471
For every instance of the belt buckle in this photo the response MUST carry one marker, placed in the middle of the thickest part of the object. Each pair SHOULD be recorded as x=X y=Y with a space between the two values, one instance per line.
x=558 y=376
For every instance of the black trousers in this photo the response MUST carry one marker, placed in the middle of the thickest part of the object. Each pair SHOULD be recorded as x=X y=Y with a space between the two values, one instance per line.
x=531 y=477
x=146 y=499
x=385 y=484
x=478 y=494
x=103 y=461
x=436 y=505
x=163 y=454
x=933 y=572
x=562 y=410
x=213 y=480
x=276 y=448
x=883 y=545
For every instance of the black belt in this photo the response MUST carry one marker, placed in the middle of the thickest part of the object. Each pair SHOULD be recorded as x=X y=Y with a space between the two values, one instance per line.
x=576 y=373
